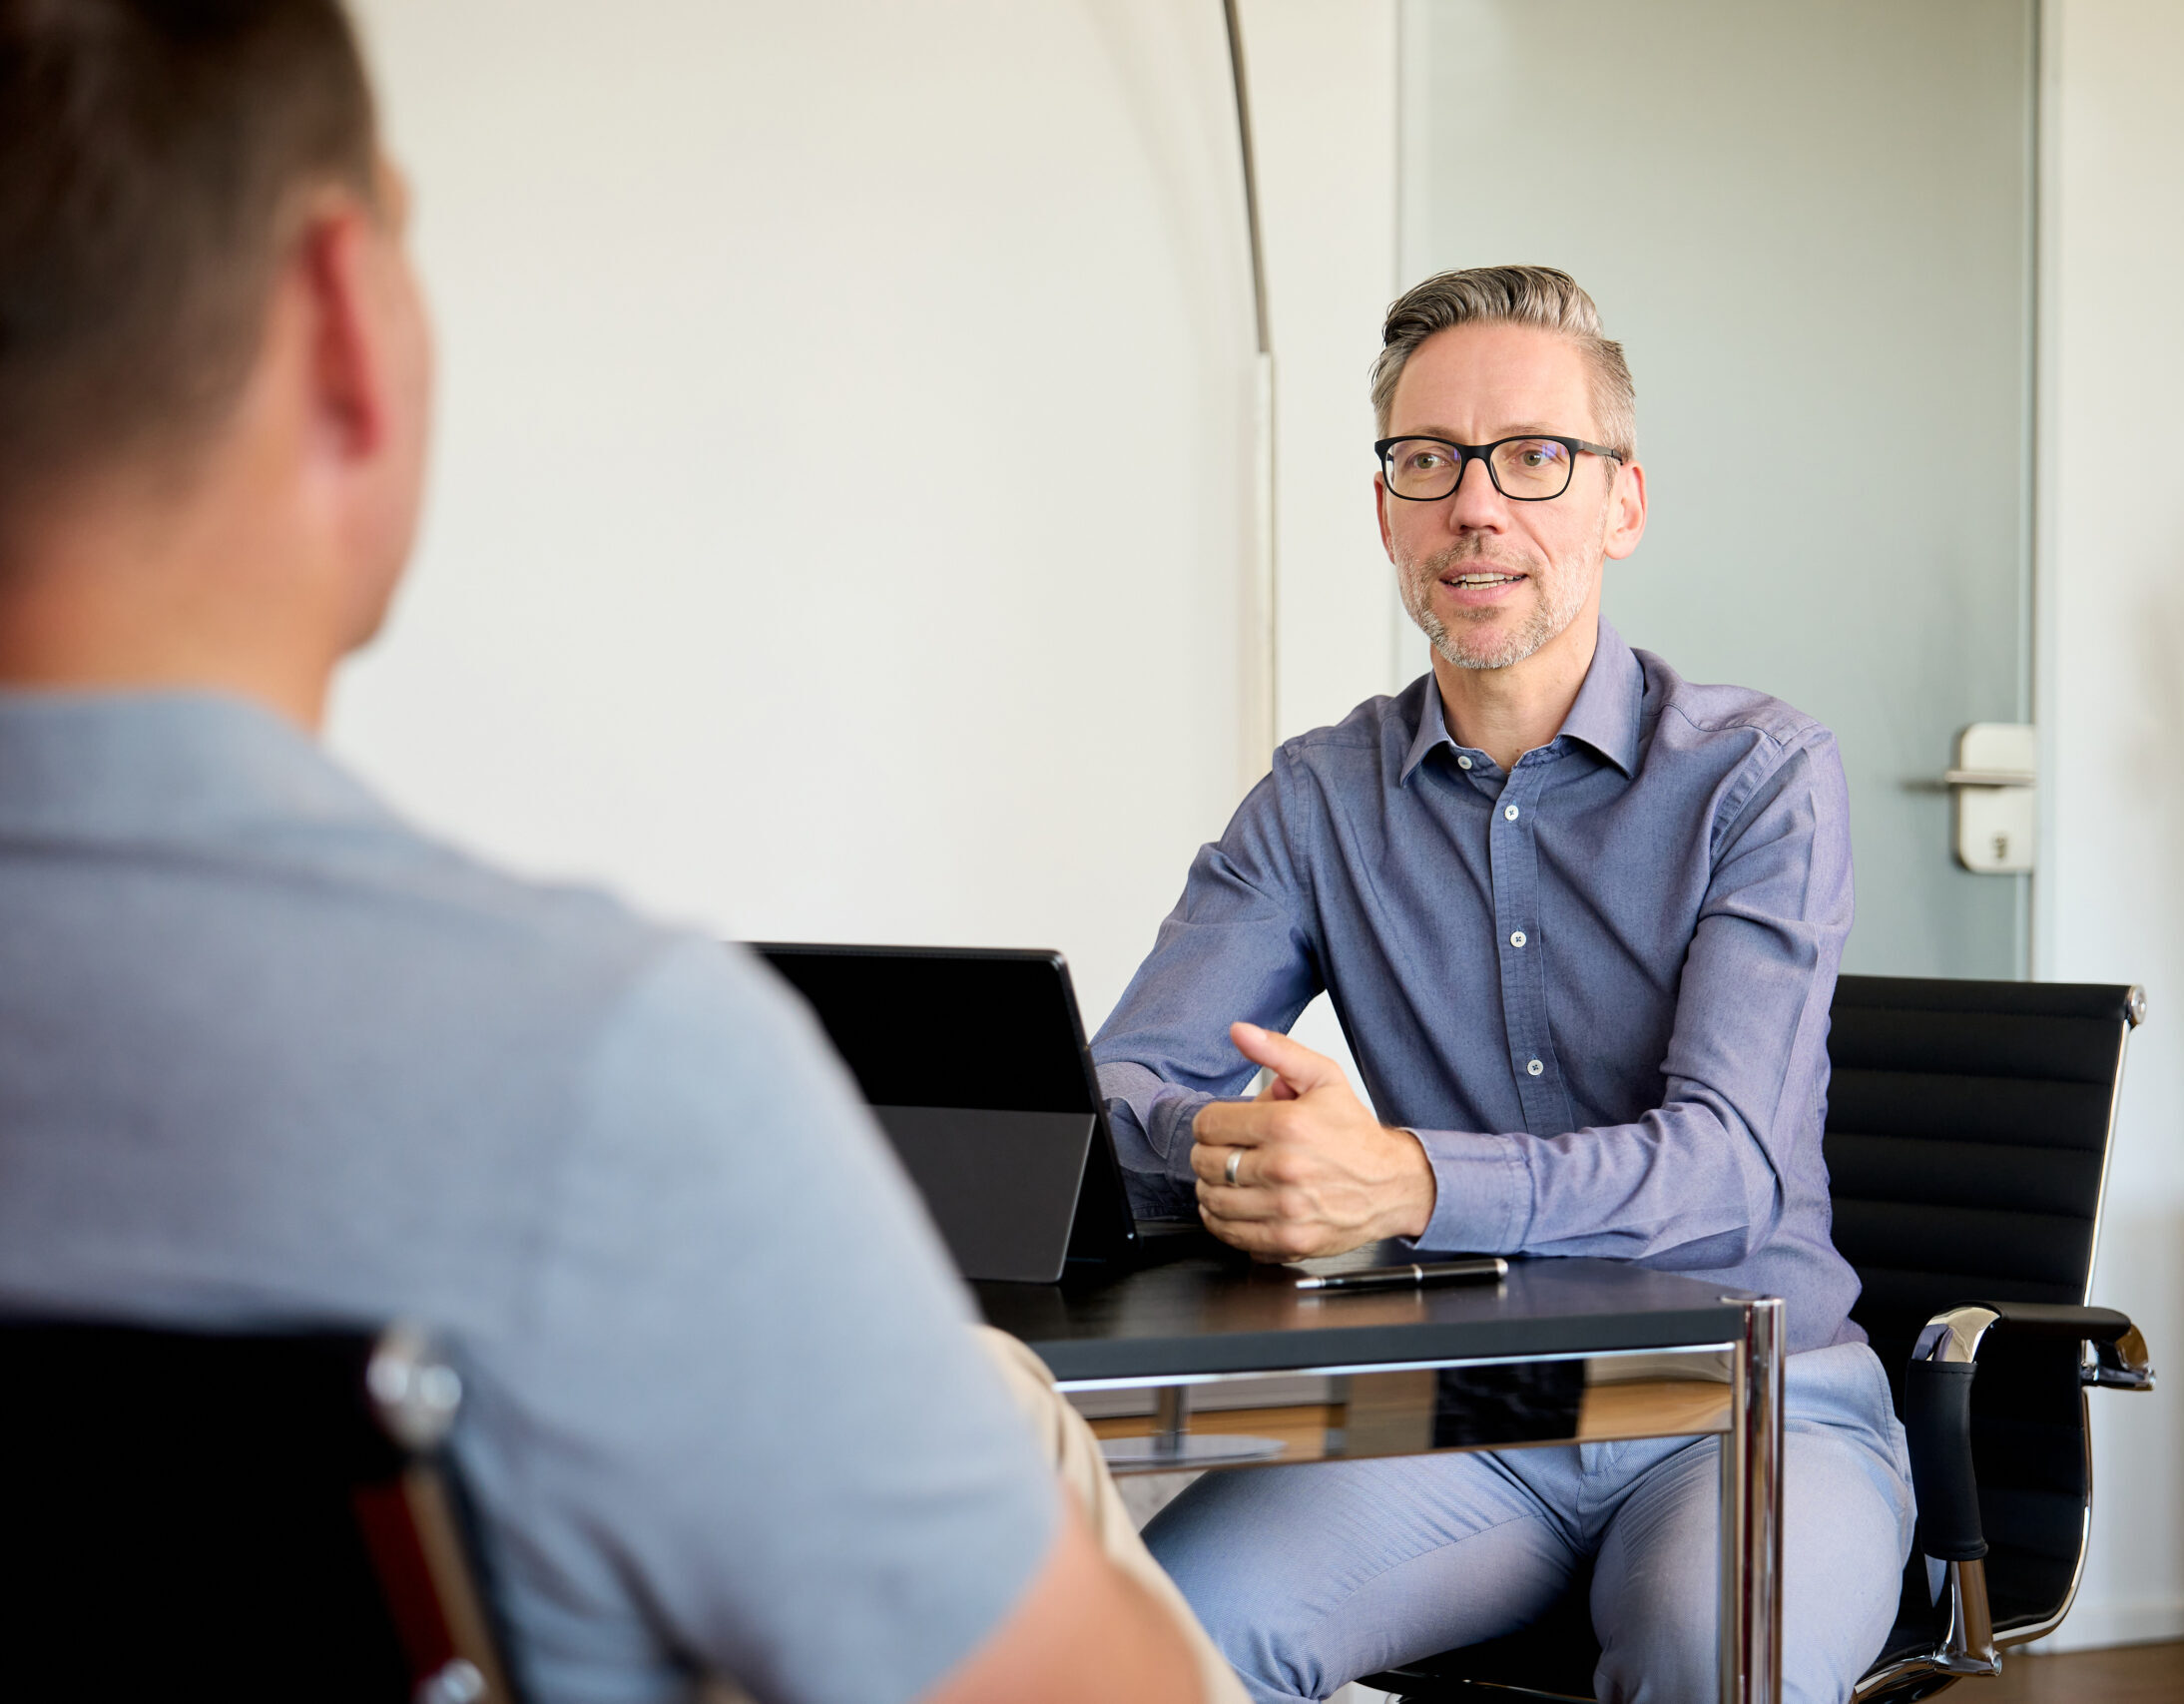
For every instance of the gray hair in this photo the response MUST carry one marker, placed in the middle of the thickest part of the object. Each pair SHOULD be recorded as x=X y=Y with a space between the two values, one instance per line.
x=1510 y=295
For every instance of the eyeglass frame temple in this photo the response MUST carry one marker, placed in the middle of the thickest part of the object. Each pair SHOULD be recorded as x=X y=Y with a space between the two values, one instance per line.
x=1468 y=453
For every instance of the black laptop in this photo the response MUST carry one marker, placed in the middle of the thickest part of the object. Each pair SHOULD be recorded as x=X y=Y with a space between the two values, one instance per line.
x=974 y=1060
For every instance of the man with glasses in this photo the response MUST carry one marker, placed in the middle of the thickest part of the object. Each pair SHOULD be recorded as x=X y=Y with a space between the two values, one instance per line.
x=1581 y=920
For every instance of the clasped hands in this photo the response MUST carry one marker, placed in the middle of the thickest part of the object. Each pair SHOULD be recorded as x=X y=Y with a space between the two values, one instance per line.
x=1313 y=1172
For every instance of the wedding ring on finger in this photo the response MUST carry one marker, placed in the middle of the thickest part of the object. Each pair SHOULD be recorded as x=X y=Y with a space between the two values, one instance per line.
x=1228 y=1172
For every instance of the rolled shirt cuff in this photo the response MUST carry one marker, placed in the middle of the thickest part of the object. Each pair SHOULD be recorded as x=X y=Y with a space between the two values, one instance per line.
x=1151 y=1120
x=1482 y=1194
x=1172 y=1115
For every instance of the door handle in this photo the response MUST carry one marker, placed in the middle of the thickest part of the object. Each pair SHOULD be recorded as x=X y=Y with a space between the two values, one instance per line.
x=1994 y=792
x=1988 y=778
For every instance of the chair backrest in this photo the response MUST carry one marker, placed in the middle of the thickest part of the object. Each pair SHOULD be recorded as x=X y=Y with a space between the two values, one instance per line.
x=1968 y=1141
x=258 y=1515
x=1968 y=1135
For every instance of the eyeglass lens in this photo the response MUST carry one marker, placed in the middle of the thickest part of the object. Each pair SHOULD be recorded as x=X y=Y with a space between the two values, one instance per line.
x=1424 y=468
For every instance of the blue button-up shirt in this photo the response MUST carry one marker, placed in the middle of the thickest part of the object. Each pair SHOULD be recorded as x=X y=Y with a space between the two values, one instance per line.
x=1595 y=984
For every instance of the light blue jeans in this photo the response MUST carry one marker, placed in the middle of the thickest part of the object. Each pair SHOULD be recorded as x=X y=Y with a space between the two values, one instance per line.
x=1310 y=1577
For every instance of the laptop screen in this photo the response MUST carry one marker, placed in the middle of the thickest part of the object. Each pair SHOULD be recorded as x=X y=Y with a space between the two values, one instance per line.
x=974 y=1061
x=948 y=1026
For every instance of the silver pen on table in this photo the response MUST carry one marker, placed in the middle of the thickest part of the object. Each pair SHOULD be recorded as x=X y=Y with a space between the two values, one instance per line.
x=1413 y=1276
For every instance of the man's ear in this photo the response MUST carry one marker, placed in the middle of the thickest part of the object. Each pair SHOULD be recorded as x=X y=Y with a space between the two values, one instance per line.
x=337 y=265
x=1626 y=511
x=1380 y=513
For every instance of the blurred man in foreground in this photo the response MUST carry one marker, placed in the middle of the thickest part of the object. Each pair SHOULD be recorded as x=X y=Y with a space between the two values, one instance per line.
x=268 y=1054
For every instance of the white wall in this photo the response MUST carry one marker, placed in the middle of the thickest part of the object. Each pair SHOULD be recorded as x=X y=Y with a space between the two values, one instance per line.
x=1323 y=81
x=1323 y=92
x=841 y=504
x=2110 y=686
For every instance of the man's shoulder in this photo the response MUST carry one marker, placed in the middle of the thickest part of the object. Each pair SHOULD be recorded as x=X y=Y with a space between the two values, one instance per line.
x=385 y=903
x=483 y=905
x=1374 y=731
x=428 y=943
x=1705 y=711
x=678 y=1007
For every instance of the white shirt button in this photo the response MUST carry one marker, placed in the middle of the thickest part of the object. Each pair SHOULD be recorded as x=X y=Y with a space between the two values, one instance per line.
x=1535 y=1067
x=1463 y=762
x=1517 y=939
x=1509 y=811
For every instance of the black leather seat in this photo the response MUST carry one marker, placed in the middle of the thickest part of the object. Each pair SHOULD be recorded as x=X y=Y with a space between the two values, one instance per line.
x=1968 y=1137
x=262 y=1516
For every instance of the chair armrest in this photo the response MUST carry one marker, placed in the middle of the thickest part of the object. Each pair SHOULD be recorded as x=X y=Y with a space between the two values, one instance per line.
x=1938 y=1402
x=2121 y=1360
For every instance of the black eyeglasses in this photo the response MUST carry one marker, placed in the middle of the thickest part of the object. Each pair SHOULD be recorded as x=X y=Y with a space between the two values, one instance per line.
x=1524 y=470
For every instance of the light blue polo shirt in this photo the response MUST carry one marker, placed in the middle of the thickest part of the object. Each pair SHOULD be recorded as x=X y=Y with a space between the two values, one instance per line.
x=267 y=1055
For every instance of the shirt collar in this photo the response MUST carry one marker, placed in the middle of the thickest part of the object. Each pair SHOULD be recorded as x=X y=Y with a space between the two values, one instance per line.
x=1432 y=727
x=163 y=766
x=1605 y=716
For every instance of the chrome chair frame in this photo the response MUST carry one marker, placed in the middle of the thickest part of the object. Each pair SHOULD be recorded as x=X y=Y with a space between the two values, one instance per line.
x=2118 y=1359
x=2114 y=1356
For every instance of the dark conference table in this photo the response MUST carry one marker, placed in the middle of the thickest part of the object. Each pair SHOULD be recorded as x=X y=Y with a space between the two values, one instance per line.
x=1227 y=1364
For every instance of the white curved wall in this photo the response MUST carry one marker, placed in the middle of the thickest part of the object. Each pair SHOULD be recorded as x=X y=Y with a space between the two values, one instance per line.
x=841 y=504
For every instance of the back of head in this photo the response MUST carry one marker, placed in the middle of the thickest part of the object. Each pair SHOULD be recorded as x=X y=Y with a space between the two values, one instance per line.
x=156 y=153
x=1539 y=296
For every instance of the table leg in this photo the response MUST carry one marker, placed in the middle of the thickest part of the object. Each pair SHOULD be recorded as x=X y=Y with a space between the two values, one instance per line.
x=1750 y=1556
x=1172 y=1446
x=1169 y=1409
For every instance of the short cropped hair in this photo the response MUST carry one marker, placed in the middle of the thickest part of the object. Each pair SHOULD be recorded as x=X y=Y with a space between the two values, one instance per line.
x=151 y=155
x=1510 y=295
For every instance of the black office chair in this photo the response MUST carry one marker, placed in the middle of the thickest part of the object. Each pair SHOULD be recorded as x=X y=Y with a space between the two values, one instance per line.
x=265 y=1516
x=1968 y=1137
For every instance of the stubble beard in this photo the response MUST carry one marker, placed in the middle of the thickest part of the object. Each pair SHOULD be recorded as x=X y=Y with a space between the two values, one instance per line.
x=1558 y=595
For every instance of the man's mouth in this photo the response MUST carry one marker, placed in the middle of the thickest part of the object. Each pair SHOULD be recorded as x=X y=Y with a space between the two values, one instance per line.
x=1477 y=579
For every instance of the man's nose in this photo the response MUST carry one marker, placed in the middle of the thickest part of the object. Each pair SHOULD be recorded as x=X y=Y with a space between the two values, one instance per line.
x=1476 y=505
